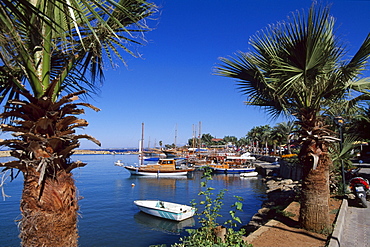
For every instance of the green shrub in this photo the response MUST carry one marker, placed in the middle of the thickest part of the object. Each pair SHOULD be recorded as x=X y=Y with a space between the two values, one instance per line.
x=205 y=236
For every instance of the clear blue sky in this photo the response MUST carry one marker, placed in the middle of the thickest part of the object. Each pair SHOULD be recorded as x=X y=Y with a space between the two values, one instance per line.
x=172 y=87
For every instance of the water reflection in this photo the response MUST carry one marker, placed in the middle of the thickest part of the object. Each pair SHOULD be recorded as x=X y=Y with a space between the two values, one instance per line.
x=158 y=224
x=165 y=182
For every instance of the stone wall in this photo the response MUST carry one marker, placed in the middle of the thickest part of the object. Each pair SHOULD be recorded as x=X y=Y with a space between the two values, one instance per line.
x=290 y=171
x=266 y=158
x=280 y=193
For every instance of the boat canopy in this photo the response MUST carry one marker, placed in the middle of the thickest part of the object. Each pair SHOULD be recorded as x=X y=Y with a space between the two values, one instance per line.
x=245 y=156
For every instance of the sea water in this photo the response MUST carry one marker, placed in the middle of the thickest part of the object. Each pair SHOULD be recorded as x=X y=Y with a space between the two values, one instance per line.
x=108 y=216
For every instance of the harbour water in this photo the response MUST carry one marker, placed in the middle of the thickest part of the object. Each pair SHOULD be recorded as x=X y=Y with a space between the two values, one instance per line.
x=108 y=216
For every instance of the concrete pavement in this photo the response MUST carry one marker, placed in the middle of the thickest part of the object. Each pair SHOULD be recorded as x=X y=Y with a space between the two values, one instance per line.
x=352 y=228
x=356 y=229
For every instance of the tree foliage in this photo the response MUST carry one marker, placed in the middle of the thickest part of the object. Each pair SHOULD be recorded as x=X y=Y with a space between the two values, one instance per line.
x=51 y=52
x=297 y=68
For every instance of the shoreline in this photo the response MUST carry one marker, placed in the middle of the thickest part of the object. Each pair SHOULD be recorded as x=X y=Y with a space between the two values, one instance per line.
x=78 y=151
x=4 y=153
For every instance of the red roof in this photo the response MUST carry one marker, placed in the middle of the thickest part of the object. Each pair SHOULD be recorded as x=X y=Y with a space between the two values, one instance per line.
x=216 y=139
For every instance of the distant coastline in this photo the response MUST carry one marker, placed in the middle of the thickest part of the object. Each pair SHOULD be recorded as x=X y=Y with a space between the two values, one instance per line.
x=4 y=153
x=82 y=151
x=78 y=151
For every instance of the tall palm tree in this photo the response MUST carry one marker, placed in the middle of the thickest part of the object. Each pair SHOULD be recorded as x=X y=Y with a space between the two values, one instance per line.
x=360 y=124
x=252 y=135
x=287 y=130
x=297 y=68
x=256 y=135
x=266 y=136
x=277 y=138
x=48 y=49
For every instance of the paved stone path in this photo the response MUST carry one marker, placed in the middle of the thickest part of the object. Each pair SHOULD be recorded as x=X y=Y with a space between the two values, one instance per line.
x=356 y=230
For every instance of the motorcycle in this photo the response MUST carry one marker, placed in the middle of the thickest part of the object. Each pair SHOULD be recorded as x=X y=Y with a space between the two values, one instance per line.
x=351 y=173
x=360 y=188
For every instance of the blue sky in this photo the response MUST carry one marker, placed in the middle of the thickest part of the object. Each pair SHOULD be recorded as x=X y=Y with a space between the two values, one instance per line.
x=172 y=87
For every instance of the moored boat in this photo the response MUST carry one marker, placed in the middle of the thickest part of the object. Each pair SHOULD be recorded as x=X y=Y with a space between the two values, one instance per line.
x=234 y=165
x=166 y=210
x=163 y=168
x=229 y=169
x=249 y=174
x=118 y=163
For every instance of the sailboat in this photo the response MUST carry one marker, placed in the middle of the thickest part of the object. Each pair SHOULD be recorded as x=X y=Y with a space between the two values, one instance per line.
x=162 y=168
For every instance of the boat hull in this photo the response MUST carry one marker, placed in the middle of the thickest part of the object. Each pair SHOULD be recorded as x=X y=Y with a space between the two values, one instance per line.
x=231 y=170
x=156 y=173
x=166 y=210
x=249 y=174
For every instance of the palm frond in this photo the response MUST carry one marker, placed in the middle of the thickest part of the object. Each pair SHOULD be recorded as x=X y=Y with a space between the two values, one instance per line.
x=63 y=41
x=296 y=65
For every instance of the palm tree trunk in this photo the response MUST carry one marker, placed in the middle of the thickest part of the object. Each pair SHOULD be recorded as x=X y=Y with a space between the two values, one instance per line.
x=314 y=212
x=49 y=219
x=288 y=145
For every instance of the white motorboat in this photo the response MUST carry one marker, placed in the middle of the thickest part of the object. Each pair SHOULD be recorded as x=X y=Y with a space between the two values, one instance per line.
x=166 y=210
x=119 y=163
x=249 y=174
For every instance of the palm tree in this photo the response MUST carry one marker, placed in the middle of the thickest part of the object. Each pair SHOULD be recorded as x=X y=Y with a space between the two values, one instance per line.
x=360 y=124
x=277 y=138
x=266 y=136
x=252 y=135
x=230 y=139
x=256 y=135
x=48 y=49
x=287 y=130
x=206 y=139
x=297 y=68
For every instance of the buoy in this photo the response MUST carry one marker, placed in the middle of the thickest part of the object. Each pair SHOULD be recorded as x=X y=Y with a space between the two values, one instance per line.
x=132 y=185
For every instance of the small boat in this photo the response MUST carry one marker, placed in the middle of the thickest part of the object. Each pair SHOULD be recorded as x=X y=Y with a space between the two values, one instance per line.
x=249 y=174
x=166 y=210
x=163 y=168
x=227 y=169
x=118 y=163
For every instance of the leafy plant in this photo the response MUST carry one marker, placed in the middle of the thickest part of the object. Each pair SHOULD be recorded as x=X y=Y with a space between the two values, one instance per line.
x=207 y=234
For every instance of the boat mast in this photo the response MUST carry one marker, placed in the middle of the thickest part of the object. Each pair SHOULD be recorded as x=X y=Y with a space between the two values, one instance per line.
x=200 y=138
x=194 y=135
x=141 y=149
x=175 y=135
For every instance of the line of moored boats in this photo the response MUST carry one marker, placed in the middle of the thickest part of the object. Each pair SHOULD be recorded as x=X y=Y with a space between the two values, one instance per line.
x=180 y=166
x=171 y=165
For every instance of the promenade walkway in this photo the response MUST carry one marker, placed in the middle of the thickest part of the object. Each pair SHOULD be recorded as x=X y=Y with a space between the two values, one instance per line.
x=356 y=222
x=356 y=230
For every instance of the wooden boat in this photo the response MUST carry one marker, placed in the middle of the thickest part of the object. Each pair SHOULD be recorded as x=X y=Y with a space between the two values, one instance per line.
x=163 y=168
x=166 y=210
x=249 y=174
x=234 y=165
